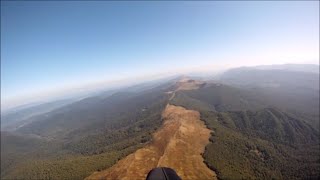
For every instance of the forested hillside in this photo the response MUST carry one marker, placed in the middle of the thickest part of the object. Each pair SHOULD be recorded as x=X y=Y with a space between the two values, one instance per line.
x=86 y=136
x=154 y=90
x=252 y=138
x=296 y=91
x=16 y=118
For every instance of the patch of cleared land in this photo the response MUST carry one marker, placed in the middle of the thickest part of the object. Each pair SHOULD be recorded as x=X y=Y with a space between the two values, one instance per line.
x=178 y=144
x=189 y=84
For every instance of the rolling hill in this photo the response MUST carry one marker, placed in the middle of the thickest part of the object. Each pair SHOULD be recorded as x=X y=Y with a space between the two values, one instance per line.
x=263 y=123
x=289 y=89
x=84 y=136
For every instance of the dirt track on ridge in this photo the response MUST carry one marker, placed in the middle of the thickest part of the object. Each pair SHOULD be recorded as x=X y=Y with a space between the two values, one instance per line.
x=178 y=144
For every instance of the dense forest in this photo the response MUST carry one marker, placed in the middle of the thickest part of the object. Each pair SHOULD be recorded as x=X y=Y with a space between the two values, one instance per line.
x=90 y=135
x=250 y=139
x=254 y=135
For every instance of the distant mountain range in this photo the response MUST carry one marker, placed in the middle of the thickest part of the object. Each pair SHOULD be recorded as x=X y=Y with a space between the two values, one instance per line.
x=264 y=122
x=310 y=68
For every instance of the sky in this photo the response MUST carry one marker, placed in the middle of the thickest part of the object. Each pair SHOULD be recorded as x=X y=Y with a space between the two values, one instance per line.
x=54 y=46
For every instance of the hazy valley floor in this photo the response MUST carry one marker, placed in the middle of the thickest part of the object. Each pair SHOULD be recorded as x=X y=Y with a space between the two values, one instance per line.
x=178 y=144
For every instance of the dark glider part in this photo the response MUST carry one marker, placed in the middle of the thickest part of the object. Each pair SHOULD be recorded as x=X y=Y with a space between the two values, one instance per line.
x=162 y=173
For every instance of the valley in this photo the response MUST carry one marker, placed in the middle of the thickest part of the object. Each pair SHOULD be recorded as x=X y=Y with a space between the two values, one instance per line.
x=179 y=144
x=202 y=129
x=160 y=90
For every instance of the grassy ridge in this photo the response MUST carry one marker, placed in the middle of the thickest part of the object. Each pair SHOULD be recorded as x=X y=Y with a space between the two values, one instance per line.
x=116 y=127
x=253 y=143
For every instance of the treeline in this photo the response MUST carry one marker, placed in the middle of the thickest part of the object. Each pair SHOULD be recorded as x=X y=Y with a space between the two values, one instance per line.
x=84 y=147
x=253 y=143
x=237 y=154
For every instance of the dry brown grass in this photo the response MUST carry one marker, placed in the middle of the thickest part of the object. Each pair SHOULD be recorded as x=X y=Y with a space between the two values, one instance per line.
x=178 y=144
x=188 y=84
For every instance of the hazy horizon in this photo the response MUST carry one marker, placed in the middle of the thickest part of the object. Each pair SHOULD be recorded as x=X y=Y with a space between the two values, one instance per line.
x=96 y=86
x=50 y=48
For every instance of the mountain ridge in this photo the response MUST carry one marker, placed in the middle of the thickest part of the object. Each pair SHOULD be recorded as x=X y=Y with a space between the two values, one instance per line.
x=252 y=135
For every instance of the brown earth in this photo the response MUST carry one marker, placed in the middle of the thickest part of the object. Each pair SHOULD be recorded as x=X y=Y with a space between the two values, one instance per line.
x=178 y=144
x=189 y=84
x=186 y=84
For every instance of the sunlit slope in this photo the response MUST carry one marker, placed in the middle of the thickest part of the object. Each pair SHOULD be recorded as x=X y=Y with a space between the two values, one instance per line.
x=83 y=137
x=178 y=144
x=253 y=139
x=252 y=136
x=221 y=97
x=293 y=90
x=17 y=118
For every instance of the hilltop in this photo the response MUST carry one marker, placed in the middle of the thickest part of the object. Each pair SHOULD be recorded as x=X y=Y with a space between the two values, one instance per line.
x=245 y=132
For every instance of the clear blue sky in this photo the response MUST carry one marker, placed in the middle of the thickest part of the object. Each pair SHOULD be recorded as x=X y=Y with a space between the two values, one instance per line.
x=46 y=45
